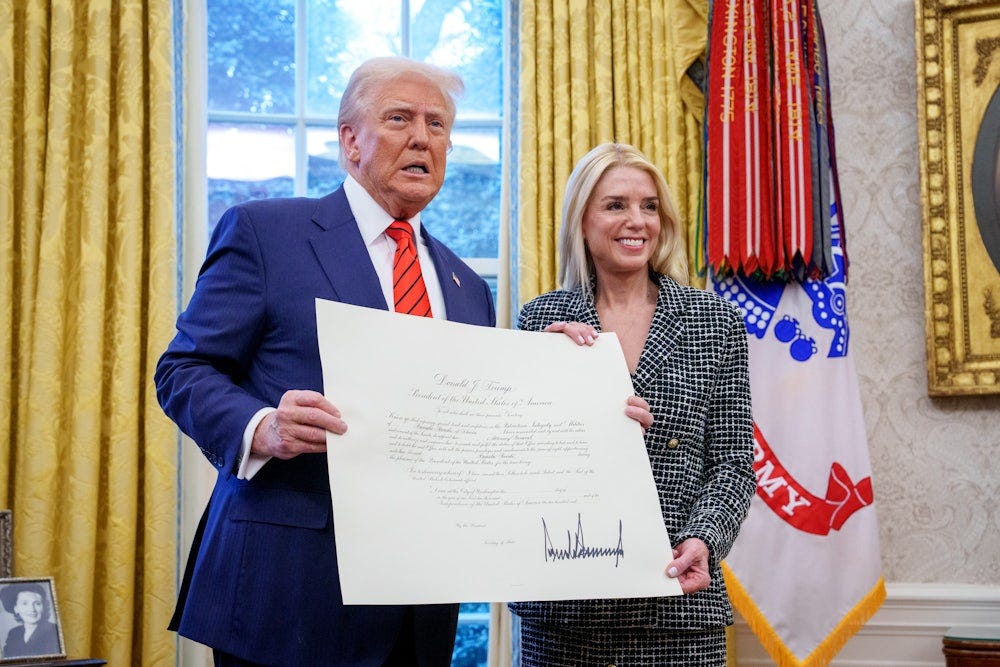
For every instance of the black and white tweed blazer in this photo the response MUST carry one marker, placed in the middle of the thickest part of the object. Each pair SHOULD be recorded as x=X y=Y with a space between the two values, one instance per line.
x=694 y=374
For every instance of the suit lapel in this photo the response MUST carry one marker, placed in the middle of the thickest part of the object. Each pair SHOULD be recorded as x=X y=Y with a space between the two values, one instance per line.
x=665 y=332
x=583 y=309
x=342 y=254
x=665 y=329
x=345 y=262
x=461 y=300
x=448 y=281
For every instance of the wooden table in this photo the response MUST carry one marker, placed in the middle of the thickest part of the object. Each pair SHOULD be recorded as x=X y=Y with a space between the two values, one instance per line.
x=60 y=662
x=972 y=646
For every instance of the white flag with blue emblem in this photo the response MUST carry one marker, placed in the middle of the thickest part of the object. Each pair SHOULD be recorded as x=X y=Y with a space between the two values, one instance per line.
x=806 y=570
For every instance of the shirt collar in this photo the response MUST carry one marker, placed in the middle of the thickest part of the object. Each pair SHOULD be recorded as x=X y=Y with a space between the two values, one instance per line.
x=372 y=219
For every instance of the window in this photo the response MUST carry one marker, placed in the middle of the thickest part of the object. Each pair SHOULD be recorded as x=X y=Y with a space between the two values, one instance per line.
x=275 y=73
x=272 y=124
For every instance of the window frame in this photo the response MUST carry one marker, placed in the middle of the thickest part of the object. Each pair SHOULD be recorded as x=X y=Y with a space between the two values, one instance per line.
x=300 y=121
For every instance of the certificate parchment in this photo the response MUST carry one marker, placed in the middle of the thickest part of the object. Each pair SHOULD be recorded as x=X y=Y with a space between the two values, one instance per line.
x=485 y=464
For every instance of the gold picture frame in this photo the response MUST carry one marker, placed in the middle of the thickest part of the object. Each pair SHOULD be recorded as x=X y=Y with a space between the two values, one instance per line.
x=958 y=101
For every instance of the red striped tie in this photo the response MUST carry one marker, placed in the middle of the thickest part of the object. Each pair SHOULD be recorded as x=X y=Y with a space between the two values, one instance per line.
x=408 y=289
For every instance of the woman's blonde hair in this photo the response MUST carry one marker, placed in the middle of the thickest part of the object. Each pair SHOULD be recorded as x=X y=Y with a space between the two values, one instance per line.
x=669 y=257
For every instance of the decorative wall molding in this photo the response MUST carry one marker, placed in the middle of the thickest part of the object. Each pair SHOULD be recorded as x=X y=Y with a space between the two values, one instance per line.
x=906 y=631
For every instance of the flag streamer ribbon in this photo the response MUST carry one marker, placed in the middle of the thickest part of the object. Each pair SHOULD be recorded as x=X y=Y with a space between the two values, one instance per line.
x=768 y=134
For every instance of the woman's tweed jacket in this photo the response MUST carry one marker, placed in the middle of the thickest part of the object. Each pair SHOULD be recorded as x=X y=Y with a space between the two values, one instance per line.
x=693 y=372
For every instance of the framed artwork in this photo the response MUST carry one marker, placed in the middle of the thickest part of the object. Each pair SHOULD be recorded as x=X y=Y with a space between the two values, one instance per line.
x=958 y=100
x=29 y=620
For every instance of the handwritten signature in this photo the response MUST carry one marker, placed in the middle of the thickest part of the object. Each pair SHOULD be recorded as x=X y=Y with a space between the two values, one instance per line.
x=576 y=547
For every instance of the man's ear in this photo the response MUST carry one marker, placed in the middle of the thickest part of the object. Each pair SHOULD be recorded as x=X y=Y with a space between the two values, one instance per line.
x=349 y=143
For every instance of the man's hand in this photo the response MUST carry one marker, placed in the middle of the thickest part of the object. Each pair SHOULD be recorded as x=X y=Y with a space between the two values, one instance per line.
x=690 y=565
x=298 y=426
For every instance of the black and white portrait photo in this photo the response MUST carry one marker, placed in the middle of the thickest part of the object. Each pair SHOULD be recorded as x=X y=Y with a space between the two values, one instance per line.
x=29 y=624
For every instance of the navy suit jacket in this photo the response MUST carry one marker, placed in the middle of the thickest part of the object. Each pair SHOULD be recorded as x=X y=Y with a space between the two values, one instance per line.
x=262 y=581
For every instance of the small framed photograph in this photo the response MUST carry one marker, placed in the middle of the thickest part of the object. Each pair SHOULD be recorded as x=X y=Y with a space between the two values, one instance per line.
x=29 y=620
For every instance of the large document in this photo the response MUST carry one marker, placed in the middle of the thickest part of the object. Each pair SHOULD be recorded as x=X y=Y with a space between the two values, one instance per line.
x=485 y=464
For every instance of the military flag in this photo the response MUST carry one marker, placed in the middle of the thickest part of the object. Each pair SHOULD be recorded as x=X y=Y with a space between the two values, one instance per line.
x=806 y=570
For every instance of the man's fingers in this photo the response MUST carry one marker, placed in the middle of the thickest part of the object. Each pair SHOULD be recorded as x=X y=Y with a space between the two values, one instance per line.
x=310 y=408
x=308 y=399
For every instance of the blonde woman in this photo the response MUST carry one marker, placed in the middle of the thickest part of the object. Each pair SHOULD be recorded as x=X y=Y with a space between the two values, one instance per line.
x=624 y=269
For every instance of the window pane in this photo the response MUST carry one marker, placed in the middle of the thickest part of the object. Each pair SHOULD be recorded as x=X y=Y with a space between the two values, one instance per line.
x=324 y=172
x=471 y=645
x=341 y=35
x=472 y=638
x=466 y=213
x=466 y=37
x=248 y=161
x=251 y=55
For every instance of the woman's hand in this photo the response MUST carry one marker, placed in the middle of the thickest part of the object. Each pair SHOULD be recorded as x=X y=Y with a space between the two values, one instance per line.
x=638 y=409
x=579 y=333
x=690 y=565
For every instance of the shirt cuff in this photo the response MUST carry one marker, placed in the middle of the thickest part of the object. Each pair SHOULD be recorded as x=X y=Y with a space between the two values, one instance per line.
x=251 y=463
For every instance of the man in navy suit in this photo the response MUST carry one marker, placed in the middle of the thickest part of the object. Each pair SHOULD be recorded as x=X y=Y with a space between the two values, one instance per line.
x=243 y=379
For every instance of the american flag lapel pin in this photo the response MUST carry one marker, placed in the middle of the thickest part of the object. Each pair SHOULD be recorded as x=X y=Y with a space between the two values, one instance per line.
x=455 y=278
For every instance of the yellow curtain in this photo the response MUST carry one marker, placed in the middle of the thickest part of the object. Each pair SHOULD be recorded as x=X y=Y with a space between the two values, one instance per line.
x=591 y=72
x=88 y=275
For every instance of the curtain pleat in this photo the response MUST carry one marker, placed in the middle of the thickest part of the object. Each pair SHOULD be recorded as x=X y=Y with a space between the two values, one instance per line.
x=88 y=264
